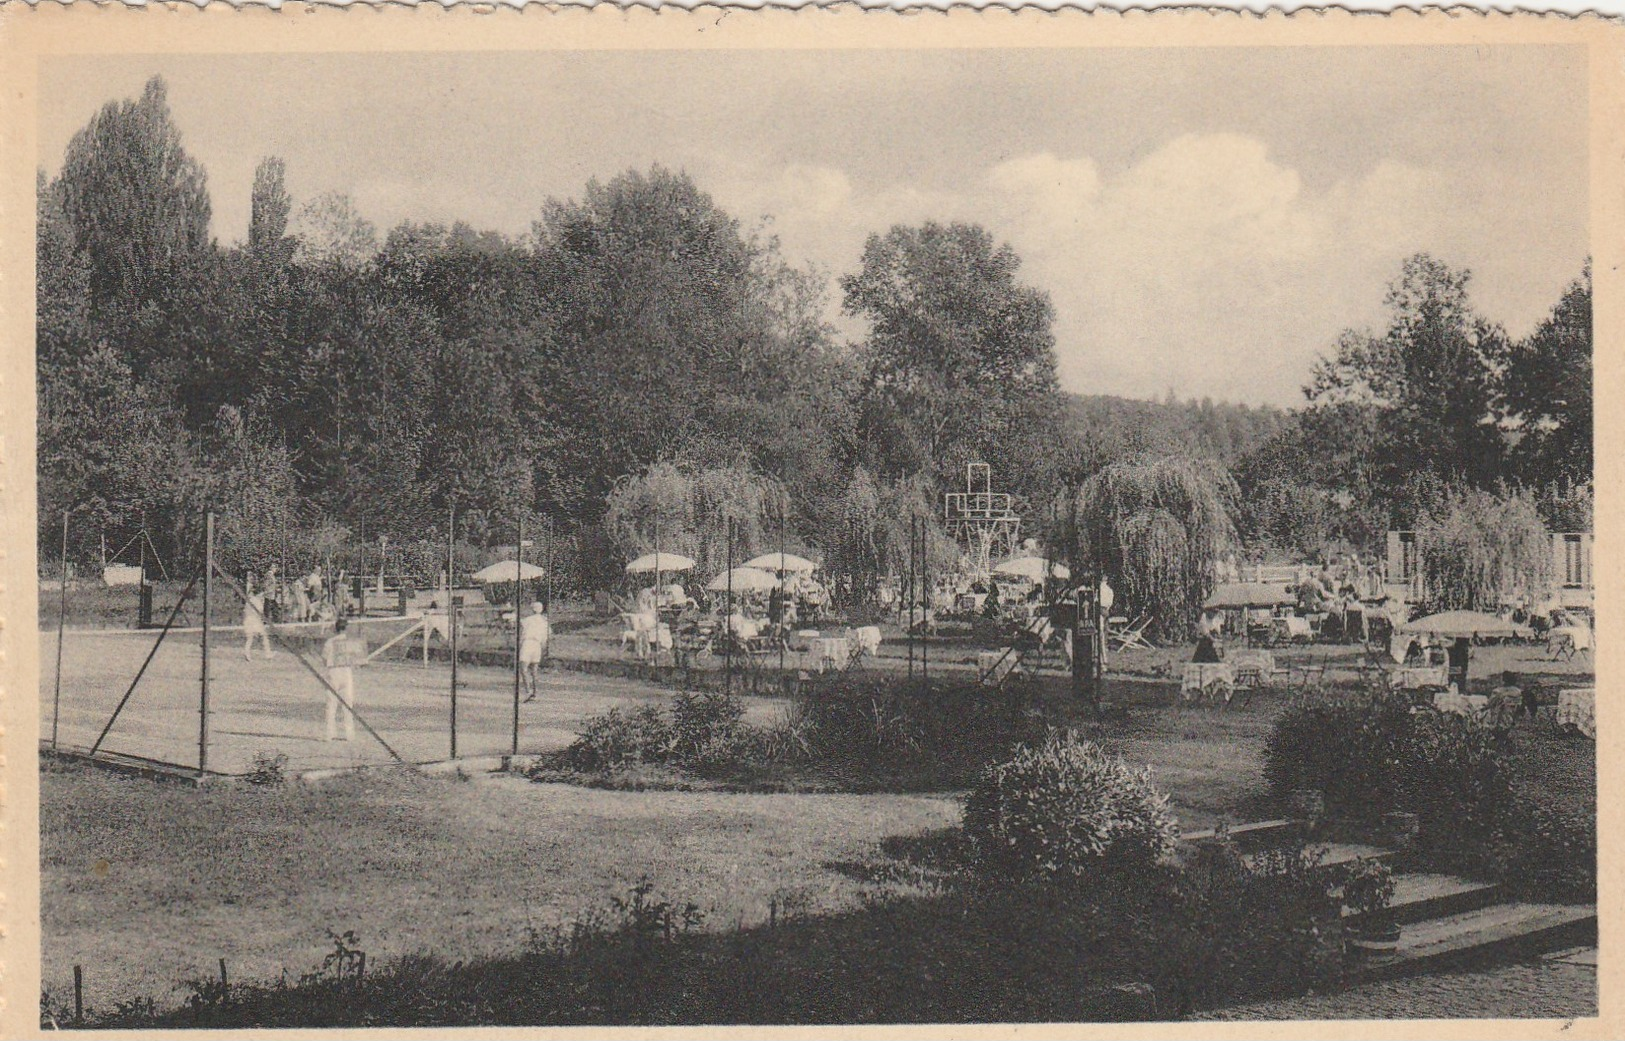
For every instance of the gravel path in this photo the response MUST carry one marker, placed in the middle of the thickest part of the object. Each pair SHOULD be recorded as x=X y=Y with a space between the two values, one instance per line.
x=1555 y=987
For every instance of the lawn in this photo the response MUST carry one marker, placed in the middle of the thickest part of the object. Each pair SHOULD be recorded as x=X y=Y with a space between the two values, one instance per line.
x=148 y=884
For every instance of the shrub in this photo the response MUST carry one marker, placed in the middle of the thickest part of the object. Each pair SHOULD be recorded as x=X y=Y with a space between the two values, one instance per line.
x=1370 y=759
x=704 y=726
x=267 y=770
x=1066 y=810
x=1549 y=853
x=1254 y=928
x=614 y=738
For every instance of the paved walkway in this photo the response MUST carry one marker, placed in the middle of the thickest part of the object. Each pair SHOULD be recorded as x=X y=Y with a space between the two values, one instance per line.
x=1558 y=986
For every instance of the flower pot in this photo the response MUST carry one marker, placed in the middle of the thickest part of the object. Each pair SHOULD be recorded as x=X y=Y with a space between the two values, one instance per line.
x=1401 y=829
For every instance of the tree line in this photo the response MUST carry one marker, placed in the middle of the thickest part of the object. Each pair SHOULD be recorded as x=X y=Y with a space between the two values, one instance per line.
x=641 y=351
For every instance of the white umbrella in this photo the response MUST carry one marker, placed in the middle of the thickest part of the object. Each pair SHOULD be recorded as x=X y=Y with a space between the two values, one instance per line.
x=1035 y=569
x=745 y=580
x=1465 y=623
x=508 y=571
x=787 y=562
x=660 y=562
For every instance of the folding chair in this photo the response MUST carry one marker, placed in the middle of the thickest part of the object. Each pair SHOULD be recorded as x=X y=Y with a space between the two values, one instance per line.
x=1132 y=637
x=1311 y=674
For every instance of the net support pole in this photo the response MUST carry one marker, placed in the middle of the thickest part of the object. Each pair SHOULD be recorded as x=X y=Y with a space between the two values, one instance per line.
x=925 y=613
x=203 y=698
x=912 y=598
x=518 y=624
x=453 y=609
x=728 y=620
x=61 y=632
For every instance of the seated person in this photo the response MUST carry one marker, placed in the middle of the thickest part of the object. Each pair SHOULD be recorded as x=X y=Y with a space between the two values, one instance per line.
x=1506 y=703
x=743 y=626
x=1207 y=652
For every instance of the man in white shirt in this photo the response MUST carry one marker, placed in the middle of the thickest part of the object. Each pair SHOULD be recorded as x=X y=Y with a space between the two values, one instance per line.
x=533 y=637
x=340 y=654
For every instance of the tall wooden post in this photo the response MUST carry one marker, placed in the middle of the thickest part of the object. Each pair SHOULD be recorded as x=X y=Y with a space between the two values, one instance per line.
x=61 y=632
x=518 y=624
x=728 y=618
x=910 y=597
x=203 y=701
x=453 y=609
x=925 y=613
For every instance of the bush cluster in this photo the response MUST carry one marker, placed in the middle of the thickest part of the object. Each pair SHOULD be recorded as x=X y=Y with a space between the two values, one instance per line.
x=1065 y=809
x=700 y=731
x=866 y=726
x=1450 y=770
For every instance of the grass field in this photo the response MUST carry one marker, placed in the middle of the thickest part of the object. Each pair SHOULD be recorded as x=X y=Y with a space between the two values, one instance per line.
x=147 y=884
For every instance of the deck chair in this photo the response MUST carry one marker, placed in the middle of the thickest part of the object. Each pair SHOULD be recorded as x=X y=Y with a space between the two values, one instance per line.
x=1131 y=636
x=1311 y=674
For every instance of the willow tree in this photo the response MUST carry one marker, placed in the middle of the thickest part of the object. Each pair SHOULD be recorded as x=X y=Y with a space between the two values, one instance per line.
x=687 y=511
x=1479 y=547
x=1155 y=529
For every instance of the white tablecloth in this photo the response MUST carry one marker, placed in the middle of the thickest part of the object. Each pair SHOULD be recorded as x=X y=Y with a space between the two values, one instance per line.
x=1578 y=708
x=1414 y=676
x=1577 y=635
x=1201 y=675
x=1461 y=704
x=827 y=653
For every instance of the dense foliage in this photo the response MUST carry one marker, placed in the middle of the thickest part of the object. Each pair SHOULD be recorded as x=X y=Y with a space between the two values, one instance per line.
x=1453 y=771
x=372 y=381
x=1066 y=810
x=1479 y=547
x=1156 y=529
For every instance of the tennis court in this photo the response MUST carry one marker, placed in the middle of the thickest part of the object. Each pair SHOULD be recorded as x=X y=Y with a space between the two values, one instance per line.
x=278 y=706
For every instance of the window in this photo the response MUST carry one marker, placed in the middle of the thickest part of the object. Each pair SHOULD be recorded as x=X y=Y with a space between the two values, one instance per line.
x=1408 y=560
x=1574 y=561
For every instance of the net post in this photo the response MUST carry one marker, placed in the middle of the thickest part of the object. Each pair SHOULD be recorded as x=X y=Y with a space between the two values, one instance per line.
x=61 y=632
x=518 y=576
x=203 y=700
x=728 y=622
x=453 y=609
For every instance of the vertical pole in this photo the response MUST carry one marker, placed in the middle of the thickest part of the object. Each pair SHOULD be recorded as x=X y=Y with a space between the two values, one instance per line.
x=547 y=577
x=78 y=995
x=451 y=551
x=203 y=702
x=453 y=609
x=784 y=637
x=727 y=621
x=912 y=601
x=61 y=632
x=518 y=620
x=925 y=590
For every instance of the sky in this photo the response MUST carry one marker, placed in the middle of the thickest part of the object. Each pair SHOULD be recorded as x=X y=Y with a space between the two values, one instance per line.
x=1206 y=220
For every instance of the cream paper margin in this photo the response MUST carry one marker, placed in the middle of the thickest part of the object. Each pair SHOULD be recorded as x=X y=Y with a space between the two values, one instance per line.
x=28 y=35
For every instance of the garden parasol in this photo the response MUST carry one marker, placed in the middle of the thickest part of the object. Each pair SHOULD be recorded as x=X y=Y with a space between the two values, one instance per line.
x=1035 y=569
x=744 y=579
x=660 y=562
x=787 y=562
x=508 y=571
x=1465 y=623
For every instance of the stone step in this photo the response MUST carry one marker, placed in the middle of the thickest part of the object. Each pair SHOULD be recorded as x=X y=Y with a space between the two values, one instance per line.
x=1496 y=930
x=1339 y=853
x=1421 y=896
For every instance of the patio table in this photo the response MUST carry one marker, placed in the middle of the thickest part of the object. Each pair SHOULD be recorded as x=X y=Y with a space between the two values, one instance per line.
x=1577 y=707
x=1412 y=677
x=1202 y=676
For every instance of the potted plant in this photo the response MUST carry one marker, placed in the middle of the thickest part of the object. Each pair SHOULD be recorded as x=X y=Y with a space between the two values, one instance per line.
x=1401 y=828
x=1368 y=890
